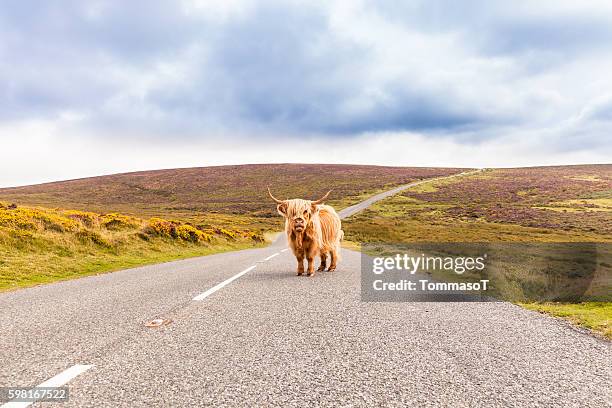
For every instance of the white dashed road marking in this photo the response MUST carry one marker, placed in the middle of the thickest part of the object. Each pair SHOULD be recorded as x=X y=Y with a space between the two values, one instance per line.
x=57 y=381
x=212 y=290
x=272 y=256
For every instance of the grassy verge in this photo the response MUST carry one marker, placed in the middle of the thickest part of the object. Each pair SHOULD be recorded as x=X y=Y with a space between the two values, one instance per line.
x=543 y=205
x=596 y=316
x=40 y=245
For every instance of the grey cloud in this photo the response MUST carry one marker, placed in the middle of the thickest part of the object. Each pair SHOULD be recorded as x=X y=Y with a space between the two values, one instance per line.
x=284 y=69
x=507 y=27
x=279 y=68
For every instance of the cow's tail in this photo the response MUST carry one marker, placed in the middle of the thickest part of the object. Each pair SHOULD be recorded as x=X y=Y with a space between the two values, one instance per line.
x=339 y=245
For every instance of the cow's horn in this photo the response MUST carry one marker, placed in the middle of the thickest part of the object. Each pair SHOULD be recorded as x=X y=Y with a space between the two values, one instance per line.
x=320 y=200
x=274 y=198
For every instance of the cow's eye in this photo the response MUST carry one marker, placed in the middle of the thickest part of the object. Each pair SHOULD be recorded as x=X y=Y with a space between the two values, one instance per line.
x=305 y=212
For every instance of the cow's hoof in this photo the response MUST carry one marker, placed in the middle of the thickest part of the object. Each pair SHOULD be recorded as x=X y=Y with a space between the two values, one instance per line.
x=310 y=275
x=300 y=273
x=321 y=268
x=331 y=269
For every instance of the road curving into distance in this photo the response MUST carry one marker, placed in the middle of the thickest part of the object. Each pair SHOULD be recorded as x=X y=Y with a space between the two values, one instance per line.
x=240 y=328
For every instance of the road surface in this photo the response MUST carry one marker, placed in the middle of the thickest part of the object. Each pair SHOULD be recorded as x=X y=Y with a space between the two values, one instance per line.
x=348 y=211
x=240 y=329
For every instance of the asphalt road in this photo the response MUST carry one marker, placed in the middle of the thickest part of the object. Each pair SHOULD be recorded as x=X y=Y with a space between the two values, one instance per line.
x=348 y=211
x=270 y=338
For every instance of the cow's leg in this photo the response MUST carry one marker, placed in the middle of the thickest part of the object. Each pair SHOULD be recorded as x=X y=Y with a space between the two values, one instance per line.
x=323 y=262
x=311 y=252
x=334 y=259
x=310 y=259
x=300 y=268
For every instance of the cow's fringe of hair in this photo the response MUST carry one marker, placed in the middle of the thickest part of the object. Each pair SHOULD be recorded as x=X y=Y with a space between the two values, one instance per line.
x=325 y=223
x=296 y=207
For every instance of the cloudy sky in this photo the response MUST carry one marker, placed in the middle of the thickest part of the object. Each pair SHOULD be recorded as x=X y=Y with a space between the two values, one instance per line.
x=99 y=87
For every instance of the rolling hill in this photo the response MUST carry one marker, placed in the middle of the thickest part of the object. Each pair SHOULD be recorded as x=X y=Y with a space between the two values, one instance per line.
x=556 y=203
x=73 y=228
x=239 y=189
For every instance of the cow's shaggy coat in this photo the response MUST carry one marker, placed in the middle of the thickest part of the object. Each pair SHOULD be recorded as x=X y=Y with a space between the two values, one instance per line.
x=312 y=229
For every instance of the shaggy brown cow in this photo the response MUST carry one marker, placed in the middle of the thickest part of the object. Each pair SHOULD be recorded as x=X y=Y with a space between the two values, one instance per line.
x=312 y=229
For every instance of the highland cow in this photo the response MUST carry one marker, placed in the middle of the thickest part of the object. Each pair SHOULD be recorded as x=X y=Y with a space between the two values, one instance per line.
x=312 y=229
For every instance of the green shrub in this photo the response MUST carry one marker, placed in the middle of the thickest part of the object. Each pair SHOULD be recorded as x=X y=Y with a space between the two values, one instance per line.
x=143 y=236
x=87 y=236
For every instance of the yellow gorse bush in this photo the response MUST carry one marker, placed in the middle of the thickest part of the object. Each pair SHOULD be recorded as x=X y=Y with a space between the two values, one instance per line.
x=160 y=227
x=22 y=223
x=13 y=219
x=89 y=219
x=173 y=229
x=114 y=221
x=35 y=219
x=192 y=234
